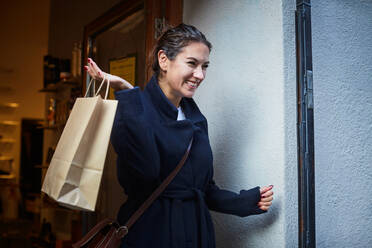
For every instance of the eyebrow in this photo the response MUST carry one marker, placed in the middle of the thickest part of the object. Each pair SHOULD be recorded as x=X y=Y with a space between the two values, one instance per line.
x=207 y=62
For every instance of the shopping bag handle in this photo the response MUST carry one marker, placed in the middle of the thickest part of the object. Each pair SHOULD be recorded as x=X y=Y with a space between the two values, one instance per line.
x=99 y=88
x=94 y=87
x=107 y=87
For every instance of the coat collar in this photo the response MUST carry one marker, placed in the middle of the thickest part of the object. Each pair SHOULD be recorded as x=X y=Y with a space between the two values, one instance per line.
x=167 y=109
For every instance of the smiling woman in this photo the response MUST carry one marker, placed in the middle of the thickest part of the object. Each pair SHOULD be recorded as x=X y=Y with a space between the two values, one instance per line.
x=180 y=63
x=181 y=77
x=152 y=130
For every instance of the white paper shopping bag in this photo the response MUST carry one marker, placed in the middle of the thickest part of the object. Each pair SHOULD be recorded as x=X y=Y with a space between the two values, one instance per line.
x=74 y=174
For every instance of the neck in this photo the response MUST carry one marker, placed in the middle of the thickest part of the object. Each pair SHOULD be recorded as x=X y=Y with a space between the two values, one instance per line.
x=173 y=98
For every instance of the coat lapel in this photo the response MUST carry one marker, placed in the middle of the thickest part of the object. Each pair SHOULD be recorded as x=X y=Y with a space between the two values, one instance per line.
x=167 y=110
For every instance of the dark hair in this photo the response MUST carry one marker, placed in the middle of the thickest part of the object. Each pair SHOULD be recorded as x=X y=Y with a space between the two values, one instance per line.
x=173 y=40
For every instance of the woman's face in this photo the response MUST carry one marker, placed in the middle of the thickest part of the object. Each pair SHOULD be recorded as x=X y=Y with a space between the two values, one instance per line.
x=183 y=75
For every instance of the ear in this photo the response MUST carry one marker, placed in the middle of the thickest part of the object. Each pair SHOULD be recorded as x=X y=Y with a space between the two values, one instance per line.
x=163 y=60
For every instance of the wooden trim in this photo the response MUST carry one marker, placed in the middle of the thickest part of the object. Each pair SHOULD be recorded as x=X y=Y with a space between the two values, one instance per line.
x=174 y=12
x=152 y=10
x=173 y=15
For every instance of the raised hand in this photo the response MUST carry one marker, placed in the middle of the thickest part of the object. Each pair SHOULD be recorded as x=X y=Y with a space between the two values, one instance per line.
x=266 y=197
x=93 y=70
x=117 y=83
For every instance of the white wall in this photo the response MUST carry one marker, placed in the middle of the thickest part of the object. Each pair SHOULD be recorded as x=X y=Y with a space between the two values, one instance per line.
x=342 y=60
x=249 y=99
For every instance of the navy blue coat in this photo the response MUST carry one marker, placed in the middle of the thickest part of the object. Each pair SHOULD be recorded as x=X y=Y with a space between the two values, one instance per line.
x=150 y=142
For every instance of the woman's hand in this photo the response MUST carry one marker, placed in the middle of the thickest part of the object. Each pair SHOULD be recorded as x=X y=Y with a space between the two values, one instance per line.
x=266 y=198
x=117 y=83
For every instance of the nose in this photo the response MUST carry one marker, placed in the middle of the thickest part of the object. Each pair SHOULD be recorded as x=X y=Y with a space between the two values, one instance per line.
x=199 y=73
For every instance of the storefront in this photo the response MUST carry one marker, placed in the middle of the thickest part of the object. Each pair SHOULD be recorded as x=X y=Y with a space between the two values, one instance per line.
x=249 y=98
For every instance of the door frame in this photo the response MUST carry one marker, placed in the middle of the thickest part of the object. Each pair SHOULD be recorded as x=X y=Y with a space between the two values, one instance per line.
x=168 y=10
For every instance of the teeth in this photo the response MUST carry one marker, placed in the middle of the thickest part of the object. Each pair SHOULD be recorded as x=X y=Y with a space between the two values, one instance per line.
x=192 y=84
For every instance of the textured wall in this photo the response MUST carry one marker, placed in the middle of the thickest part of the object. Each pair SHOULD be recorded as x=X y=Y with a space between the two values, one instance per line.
x=290 y=118
x=249 y=100
x=342 y=54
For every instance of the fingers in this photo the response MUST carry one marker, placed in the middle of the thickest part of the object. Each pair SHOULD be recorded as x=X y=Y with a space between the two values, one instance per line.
x=266 y=198
x=90 y=71
x=93 y=70
x=265 y=189
x=265 y=205
x=93 y=66
x=264 y=208
x=267 y=194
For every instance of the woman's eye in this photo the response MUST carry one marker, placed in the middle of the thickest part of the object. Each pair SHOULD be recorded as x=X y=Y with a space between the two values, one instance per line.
x=191 y=63
x=205 y=66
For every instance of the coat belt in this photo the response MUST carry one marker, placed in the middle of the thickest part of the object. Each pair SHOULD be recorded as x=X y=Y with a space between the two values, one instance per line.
x=207 y=239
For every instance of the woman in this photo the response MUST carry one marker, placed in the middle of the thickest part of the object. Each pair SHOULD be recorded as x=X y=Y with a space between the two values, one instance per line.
x=151 y=132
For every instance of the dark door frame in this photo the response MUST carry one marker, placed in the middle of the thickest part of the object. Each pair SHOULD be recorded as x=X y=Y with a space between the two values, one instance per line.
x=170 y=11
x=305 y=127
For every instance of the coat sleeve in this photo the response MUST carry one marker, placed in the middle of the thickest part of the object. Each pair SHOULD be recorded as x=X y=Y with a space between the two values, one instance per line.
x=228 y=202
x=133 y=138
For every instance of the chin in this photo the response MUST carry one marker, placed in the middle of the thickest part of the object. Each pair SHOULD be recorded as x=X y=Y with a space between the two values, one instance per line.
x=188 y=94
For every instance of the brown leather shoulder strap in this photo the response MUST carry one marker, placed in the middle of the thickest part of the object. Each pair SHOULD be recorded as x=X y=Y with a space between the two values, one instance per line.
x=158 y=190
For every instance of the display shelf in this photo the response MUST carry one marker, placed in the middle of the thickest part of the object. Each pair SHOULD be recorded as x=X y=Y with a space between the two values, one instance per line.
x=70 y=81
x=48 y=127
x=8 y=177
x=9 y=123
x=6 y=158
x=49 y=89
x=9 y=105
x=61 y=84
x=54 y=127
x=7 y=141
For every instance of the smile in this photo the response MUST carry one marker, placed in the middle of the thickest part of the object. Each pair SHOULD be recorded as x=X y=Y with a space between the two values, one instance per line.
x=192 y=85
